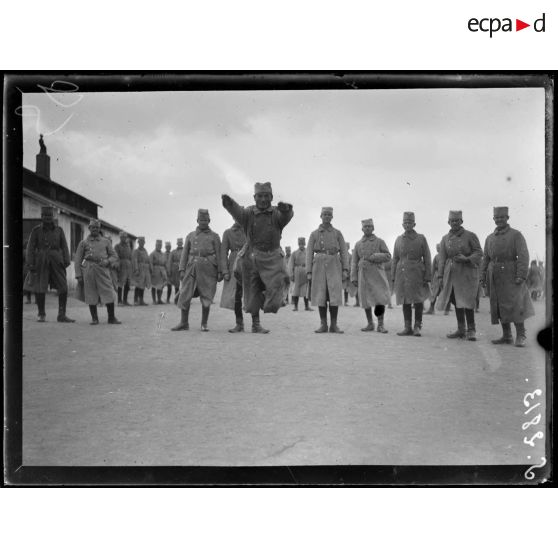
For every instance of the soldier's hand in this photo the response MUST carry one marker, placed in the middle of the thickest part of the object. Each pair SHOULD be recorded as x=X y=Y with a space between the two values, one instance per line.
x=182 y=273
x=226 y=276
x=309 y=276
x=227 y=200
x=282 y=206
x=519 y=280
x=460 y=258
x=219 y=277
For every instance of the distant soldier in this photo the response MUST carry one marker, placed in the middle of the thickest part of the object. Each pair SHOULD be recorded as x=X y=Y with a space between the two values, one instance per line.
x=504 y=270
x=124 y=253
x=158 y=263
x=231 y=296
x=47 y=259
x=411 y=273
x=93 y=258
x=458 y=275
x=297 y=275
x=174 y=274
x=200 y=270
x=141 y=271
x=349 y=288
x=261 y=261
x=168 y=256
x=368 y=274
x=327 y=265
x=534 y=280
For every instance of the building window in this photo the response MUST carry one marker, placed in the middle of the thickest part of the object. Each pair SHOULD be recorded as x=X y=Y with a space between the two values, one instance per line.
x=76 y=237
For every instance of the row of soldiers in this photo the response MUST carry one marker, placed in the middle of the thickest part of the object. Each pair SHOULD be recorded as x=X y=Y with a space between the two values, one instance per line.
x=256 y=276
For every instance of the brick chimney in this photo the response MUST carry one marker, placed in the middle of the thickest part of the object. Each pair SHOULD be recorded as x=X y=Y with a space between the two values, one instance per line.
x=43 y=160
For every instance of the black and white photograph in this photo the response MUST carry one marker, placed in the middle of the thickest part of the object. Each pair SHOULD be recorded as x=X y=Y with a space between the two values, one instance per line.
x=279 y=278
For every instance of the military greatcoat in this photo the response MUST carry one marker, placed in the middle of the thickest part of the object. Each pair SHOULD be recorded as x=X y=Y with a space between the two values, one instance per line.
x=124 y=253
x=233 y=240
x=158 y=262
x=141 y=269
x=506 y=259
x=297 y=269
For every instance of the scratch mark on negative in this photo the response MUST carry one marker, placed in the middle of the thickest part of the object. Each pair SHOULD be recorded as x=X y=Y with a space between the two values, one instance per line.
x=287 y=447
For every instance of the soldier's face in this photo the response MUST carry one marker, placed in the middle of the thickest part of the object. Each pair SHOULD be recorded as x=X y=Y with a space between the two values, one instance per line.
x=180 y=243
x=203 y=223
x=141 y=243
x=94 y=230
x=167 y=247
x=123 y=238
x=367 y=229
x=301 y=243
x=47 y=218
x=263 y=200
x=408 y=225
x=455 y=224
x=158 y=246
x=326 y=216
x=501 y=221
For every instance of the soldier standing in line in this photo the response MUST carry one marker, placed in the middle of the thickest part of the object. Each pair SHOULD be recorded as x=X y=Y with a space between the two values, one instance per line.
x=411 y=273
x=158 y=262
x=168 y=256
x=174 y=273
x=231 y=296
x=327 y=265
x=47 y=259
x=297 y=275
x=93 y=259
x=200 y=270
x=368 y=274
x=504 y=270
x=124 y=253
x=458 y=275
x=261 y=260
x=141 y=272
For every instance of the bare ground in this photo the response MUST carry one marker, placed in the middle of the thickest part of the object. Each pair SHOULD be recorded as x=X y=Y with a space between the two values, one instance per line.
x=140 y=394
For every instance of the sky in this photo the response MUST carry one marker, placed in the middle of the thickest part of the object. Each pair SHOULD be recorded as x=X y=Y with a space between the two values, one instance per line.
x=151 y=159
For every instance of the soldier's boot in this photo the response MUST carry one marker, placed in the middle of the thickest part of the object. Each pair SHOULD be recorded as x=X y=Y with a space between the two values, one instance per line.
x=62 y=300
x=159 y=296
x=370 y=320
x=295 y=303
x=119 y=296
x=506 y=338
x=239 y=327
x=183 y=325
x=111 y=317
x=460 y=332
x=256 y=326
x=333 y=315
x=153 y=299
x=307 y=305
x=521 y=335
x=136 y=296
x=471 y=328
x=125 y=295
x=205 y=317
x=94 y=315
x=381 y=328
x=140 y=295
x=417 y=329
x=323 y=320
x=40 y=299
x=407 y=330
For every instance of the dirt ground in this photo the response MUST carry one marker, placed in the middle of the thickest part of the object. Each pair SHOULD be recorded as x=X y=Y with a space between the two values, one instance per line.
x=140 y=394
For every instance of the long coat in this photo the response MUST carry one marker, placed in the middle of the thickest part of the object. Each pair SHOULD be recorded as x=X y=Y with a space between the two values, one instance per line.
x=435 y=286
x=201 y=263
x=261 y=260
x=141 y=269
x=93 y=259
x=233 y=240
x=174 y=273
x=506 y=259
x=462 y=278
x=297 y=272
x=367 y=268
x=158 y=262
x=411 y=268
x=327 y=258
x=124 y=253
x=47 y=258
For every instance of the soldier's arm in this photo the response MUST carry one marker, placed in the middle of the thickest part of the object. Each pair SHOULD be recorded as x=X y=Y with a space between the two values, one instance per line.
x=476 y=256
x=65 y=251
x=185 y=254
x=395 y=259
x=442 y=257
x=112 y=255
x=78 y=258
x=238 y=213
x=485 y=262
x=310 y=254
x=217 y=245
x=522 y=265
x=344 y=252
x=224 y=252
x=354 y=263
x=383 y=256
x=284 y=213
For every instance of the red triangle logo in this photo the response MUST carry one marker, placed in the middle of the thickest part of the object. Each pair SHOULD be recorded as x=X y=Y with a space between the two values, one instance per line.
x=519 y=25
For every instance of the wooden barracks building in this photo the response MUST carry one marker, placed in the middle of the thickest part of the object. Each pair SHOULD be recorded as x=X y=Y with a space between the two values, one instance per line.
x=72 y=210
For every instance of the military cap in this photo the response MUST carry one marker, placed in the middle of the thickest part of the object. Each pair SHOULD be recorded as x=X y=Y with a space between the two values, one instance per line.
x=501 y=211
x=261 y=187
x=301 y=239
x=367 y=222
x=203 y=213
x=94 y=222
x=327 y=208
x=455 y=214
x=47 y=210
x=408 y=216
